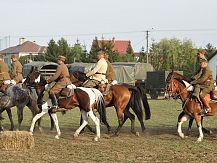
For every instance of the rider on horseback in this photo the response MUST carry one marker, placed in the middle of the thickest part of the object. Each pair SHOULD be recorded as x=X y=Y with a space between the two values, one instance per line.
x=98 y=73
x=17 y=69
x=61 y=77
x=4 y=75
x=203 y=84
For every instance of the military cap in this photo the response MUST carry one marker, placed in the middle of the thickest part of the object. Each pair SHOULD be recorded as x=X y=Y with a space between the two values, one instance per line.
x=13 y=56
x=62 y=58
x=203 y=51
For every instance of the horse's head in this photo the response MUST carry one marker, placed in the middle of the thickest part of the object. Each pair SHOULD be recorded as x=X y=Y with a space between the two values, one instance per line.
x=32 y=77
x=78 y=77
x=102 y=87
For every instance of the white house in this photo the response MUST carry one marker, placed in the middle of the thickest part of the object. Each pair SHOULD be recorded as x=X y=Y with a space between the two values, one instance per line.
x=213 y=64
x=25 y=48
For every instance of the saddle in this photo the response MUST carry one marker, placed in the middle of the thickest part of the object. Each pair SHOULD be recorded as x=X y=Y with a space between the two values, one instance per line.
x=67 y=92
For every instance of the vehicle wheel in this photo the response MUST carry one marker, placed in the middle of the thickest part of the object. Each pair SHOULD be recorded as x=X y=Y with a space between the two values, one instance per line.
x=153 y=94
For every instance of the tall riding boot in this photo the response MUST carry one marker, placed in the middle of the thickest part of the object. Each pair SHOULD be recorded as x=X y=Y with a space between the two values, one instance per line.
x=213 y=95
x=53 y=100
x=206 y=104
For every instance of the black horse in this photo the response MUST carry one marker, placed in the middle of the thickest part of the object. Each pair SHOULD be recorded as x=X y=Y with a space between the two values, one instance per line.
x=19 y=97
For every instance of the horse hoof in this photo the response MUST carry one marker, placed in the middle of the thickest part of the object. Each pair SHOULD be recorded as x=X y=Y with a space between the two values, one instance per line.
x=75 y=135
x=96 y=139
x=57 y=137
x=182 y=135
x=31 y=133
x=199 y=139
x=137 y=134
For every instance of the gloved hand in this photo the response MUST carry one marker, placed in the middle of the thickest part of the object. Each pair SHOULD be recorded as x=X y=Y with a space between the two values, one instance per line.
x=193 y=82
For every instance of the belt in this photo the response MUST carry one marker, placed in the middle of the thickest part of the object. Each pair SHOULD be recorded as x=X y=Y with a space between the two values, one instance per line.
x=100 y=73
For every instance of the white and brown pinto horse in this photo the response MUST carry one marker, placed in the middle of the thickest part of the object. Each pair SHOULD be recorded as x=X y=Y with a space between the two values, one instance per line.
x=85 y=98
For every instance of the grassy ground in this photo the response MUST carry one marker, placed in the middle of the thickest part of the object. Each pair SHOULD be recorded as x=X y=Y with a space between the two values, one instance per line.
x=160 y=142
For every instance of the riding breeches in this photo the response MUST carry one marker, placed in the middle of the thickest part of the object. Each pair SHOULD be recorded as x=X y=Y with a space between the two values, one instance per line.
x=200 y=91
x=91 y=83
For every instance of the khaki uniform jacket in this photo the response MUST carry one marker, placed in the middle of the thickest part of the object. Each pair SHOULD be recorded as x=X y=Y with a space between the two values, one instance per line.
x=204 y=77
x=4 y=75
x=99 y=71
x=110 y=74
x=61 y=77
x=17 y=69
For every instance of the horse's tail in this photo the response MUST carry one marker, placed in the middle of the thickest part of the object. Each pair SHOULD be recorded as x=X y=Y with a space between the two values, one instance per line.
x=135 y=103
x=100 y=104
x=145 y=102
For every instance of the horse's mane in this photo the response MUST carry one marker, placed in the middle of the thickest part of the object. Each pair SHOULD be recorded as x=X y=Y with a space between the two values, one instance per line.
x=177 y=76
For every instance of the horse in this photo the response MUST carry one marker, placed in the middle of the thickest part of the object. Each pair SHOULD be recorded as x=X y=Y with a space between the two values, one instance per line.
x=122 y=97
x=176 y=75
x=177 y=88
x=14 y=95
x=85 y=98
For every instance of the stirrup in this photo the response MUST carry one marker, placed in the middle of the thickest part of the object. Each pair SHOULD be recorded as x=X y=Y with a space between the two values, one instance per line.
x=208 y=110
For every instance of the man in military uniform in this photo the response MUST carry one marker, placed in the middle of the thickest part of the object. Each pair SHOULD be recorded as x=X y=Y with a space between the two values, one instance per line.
x=98 y=73
x=203 y=83
x=17 y=69
x=61 y=77
x=4 y=74
x=110 y=73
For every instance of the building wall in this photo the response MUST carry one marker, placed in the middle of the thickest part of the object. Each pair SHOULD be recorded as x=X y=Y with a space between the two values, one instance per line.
x=213 y=66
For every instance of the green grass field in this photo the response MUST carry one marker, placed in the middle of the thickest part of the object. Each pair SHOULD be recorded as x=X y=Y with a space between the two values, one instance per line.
x=159 y=143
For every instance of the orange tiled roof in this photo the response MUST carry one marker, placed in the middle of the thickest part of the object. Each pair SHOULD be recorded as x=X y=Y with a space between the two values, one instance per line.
x=119 y=45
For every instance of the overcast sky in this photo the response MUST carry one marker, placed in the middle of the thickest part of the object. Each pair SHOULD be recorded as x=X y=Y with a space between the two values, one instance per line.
x=42 y=20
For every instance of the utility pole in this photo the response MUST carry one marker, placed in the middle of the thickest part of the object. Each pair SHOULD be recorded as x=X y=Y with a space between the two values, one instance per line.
x=147 y=34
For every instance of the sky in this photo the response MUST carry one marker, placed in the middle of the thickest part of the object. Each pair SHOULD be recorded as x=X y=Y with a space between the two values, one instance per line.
x=83 y=20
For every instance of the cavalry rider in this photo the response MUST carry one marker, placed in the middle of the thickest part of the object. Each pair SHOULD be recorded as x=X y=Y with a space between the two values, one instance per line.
x=16 y=70
x=98 y=73
x=110 y=73
x=202 y=54
x=203 y=84
x=61 y=77
x=4 y=75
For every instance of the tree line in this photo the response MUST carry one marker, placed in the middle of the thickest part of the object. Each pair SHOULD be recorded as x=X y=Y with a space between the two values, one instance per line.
x=164 y=55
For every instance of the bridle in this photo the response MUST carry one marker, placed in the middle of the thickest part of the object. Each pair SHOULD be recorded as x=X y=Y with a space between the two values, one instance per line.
x=171 y=85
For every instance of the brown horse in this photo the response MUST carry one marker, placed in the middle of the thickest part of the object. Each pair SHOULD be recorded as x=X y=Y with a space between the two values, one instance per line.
x=122 y=97
x=177 y=88
x=176 y=75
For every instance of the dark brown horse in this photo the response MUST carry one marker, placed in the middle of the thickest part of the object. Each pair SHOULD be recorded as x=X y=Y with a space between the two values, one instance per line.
x=122 y=97
x=176 y=88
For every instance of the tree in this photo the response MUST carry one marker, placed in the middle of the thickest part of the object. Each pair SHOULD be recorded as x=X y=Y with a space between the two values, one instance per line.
x=174 y=54
x=210 y=49
x=93 y=51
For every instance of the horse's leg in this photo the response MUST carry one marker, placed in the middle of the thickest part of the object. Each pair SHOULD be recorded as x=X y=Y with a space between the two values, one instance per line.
x=51 y=122
x=84 y=123
x=88 y=126
x=97 y=123
x=1 y=118
x=35 y=118
x=10 y=118
x=128 y=114
x=189 y=126
x=54 y=117
x=20 y=116
x=209 y=132
x=199 y=125
x=121 y=119
x=182 y=118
